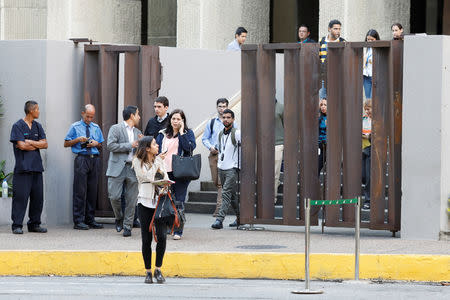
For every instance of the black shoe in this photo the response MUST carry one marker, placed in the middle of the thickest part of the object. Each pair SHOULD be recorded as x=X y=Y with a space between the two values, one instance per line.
x=149 y=278
x=136 y=224
x=17 y=230
x=217 y=224
x=119 y=225
x=159 y=276
x=80 y=226
x=235 y=223
x=126 y=232
x=95 y=225
x=37 y=229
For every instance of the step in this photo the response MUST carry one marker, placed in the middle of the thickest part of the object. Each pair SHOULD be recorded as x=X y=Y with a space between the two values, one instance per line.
x=207 y=186
x=202 y=208
x=203 y=196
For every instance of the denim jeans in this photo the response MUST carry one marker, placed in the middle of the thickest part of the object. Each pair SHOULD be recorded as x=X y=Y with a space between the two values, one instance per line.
x=367 y=87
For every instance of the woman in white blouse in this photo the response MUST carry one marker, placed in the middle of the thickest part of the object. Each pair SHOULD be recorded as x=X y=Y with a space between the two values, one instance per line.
x=147 y=163
x=371 y=36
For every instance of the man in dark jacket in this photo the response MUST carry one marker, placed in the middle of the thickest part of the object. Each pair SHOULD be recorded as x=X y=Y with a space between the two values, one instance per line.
x=159 y=121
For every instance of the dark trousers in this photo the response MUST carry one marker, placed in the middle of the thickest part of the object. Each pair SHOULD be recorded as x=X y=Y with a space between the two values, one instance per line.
x=179 y=190
x=366 y=172
x=85 y=186
x=145 y=216
x=322 y=155
x=27 y=185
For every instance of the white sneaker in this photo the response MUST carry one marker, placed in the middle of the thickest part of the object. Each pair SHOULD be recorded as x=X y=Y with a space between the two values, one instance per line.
x=176 y=237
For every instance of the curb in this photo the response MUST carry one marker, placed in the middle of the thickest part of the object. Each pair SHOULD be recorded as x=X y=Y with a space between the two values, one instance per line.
x=430 y=268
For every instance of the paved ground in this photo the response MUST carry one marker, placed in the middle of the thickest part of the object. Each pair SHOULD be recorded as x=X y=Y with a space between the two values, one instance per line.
x=183 y=288
x=199 y=236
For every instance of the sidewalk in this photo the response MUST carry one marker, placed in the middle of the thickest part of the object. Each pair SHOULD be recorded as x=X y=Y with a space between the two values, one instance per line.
x=277 y=252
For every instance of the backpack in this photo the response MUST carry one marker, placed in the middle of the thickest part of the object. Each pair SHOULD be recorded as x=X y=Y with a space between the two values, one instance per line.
x=233 y=138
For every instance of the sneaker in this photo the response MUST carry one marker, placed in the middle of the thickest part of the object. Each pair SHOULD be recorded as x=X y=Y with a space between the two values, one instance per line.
x=159 y=276
x=217 y=224
x=37 y=229
x=149 y=278
x=366 y=205
x=17 y=230
x=176 y=237
x=126 y=232
x=80 y=226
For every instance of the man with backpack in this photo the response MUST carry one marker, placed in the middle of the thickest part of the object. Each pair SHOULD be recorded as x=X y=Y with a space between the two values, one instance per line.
x=209 y=139
x=228 y=141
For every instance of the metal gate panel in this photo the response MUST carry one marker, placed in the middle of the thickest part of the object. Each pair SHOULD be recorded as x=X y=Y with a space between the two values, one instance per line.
x=249 y=102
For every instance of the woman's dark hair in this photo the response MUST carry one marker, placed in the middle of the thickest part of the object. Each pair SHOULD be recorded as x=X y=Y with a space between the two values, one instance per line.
x=169 y=128
x=373 y=33
x=141 y=152
x=398 y=25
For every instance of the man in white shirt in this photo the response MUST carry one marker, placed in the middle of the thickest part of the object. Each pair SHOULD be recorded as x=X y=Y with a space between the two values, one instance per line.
x=122 y=140
x=228 y=164
x=239 y=39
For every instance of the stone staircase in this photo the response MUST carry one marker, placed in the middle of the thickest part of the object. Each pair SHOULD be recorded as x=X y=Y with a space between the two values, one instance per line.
x=204 y=202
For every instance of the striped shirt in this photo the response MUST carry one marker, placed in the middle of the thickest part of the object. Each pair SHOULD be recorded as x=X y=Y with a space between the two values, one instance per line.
x=323 y=51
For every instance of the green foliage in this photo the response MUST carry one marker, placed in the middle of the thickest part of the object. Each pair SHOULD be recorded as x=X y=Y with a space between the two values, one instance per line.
x=7 y=176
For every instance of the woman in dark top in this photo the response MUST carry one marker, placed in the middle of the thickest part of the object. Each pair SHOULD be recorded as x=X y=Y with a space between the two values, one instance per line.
x=177 y=139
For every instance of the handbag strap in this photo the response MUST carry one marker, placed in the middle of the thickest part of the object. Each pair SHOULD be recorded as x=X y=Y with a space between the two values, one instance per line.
x=176 y=221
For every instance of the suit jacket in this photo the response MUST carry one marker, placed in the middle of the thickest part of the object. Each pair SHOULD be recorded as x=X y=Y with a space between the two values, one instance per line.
x=119 y=147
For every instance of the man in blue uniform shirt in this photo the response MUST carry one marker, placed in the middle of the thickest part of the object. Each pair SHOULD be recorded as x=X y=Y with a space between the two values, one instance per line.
x=86 y=138
x=28 y=137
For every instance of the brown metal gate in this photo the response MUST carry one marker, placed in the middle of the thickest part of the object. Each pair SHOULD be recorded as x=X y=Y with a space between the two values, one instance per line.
x=345 y=96
x=142 y=83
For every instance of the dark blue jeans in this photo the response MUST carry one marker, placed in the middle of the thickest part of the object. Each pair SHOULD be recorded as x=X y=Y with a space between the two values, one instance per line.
x=367 y=83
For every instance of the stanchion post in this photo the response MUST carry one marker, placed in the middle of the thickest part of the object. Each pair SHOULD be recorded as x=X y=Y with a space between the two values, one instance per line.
x=357 y=235
x=307 y=206
x=307 y=224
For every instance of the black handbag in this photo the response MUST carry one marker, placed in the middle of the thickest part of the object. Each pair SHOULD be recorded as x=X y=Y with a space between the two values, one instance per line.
x=165 y=213
x=186 y=167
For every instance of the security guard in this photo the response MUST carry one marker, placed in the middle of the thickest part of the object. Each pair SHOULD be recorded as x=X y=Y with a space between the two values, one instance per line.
x=28 y=137
x=85 y=138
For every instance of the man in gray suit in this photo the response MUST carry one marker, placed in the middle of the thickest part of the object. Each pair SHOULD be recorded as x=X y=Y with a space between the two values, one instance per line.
x=122 y=141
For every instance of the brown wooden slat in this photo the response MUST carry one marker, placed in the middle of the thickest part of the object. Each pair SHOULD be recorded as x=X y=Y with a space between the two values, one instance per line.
x=249 y=102
x=150 y=82
x=352 y=128
x=374 y=44
x=395 y=134
x=106 y=113
x=131 y=80
x=334 y=132
x=291 y=142
x=249 y=47
x=122 y=48
x=380 y=122
x=309 y=108
x=265 y=121
x=88 y=47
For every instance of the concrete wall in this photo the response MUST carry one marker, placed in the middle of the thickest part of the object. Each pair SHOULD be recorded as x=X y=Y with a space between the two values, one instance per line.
x=162 y=22
x=211 y=24
x=106 y=21
x=23 y=19
x=358 y=16
x=426 y=137
x=51 y=74
x=193 y=80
